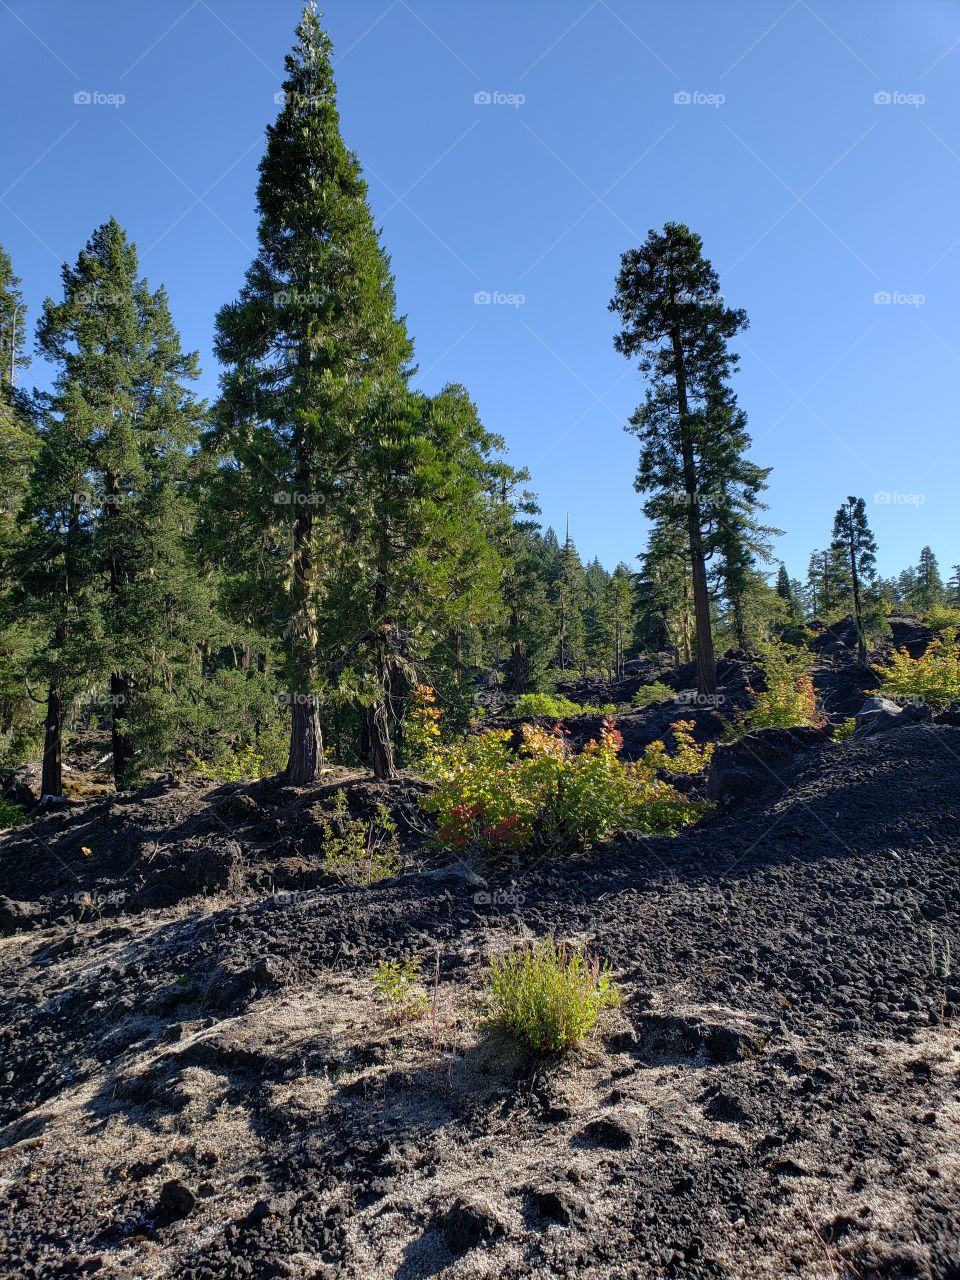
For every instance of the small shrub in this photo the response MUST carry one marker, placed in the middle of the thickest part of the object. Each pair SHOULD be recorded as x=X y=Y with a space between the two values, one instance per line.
x=943 y=617
x=246 y=762
x=396 y=981
x=557 y=707
x=652 y=693
x=548 y=996
x=789 y=699
x=488 y=796
x=932 y=679
x=358 y=851
x=690 y=758
x=11 y=815
x=421 y=730
x=845 y=731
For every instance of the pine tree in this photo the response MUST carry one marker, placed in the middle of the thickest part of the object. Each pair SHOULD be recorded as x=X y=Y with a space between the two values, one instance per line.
x=664 y=593
x=953 y=587
x=618 y=618
x=312 y=342
x=118 y=427
x=928 y=588
x=418 y=561
x=853 y=540
x=18 y=447
x=529 y=623
x=693 y=436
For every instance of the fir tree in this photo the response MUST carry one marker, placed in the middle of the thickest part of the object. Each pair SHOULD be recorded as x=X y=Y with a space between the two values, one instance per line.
x=853 y=540
x=310 y=345
x=928 y=588
x=118 y=428
x=693 y=436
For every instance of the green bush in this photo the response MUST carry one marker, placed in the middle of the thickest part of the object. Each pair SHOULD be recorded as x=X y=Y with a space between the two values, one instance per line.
x=933 y=679
x=397 y=980
x=844 y=732
x=557 y=707
x=943 y=617
x=11 y=815
x=360 y=852
x=789 y=699
x=489 y=796
x=548 y=996
x=651 y=693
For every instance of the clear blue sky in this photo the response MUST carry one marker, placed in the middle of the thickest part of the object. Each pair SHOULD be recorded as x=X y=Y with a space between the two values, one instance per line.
x=811 y=198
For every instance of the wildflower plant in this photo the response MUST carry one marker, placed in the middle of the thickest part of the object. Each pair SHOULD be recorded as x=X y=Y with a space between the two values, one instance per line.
x=493 y=794
x=548 y=996
x=933 y=678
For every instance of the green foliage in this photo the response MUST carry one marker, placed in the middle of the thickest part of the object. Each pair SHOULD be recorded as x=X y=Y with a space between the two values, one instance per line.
x=358 y=851
x=396 y=981
x=549 y=995
x=489 y=796
x=246 y=762
x=943 y=617
x=845 y=731
x=653 y=693
x=11 y=815
x=557 y=707
x=789 y=699
x=933 y=679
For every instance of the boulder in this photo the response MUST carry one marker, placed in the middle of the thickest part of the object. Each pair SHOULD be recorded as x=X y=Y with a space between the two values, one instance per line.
x=759 y=762
x=878 y=715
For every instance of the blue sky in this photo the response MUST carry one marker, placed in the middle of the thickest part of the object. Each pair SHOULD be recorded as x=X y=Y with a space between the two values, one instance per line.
x=818 y=154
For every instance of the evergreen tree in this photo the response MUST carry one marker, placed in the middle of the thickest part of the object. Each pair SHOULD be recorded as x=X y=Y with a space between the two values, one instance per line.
x=618 y=618
x=569 y=599
x=664 y=593
x=18 y=446
x=928 y=588
x=108 y=519
x=853 y=540
x=693 y=436
x=952 y=588
x=529 y=623
x=313 y=349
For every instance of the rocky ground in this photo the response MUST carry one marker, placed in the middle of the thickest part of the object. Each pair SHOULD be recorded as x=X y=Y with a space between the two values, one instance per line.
x=199 y=1079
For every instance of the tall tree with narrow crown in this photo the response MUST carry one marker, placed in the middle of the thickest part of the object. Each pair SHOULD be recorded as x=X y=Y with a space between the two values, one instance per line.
x=106 y=517
x=693 y=458
x=852 y=538
x=311 y=339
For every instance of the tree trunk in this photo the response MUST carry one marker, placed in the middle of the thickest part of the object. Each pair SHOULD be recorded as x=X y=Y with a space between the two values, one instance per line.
x=119 y=736
x=381 y=748
x=306 y=742
x=119 y=682
x=857 y=606
x=706 y=662
x=51 y=779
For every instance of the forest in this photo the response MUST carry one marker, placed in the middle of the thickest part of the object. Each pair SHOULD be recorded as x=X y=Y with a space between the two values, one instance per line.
x=267 y=577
